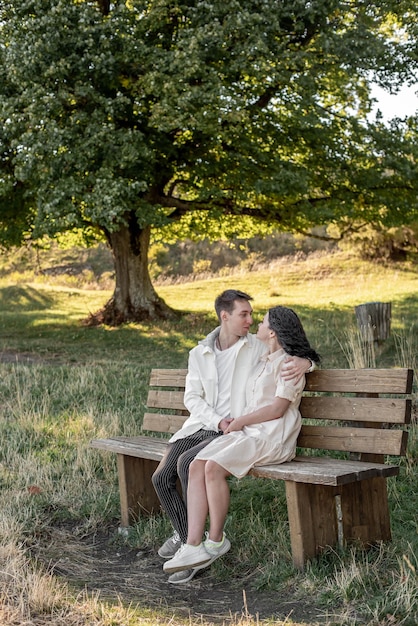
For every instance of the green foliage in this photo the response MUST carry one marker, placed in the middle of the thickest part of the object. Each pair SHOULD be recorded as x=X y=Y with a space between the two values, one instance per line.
x=233 y=108
x=377 y=243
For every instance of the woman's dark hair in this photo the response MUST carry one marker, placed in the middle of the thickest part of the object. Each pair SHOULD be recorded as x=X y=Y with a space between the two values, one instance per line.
x=290 y=333
x=226 y=301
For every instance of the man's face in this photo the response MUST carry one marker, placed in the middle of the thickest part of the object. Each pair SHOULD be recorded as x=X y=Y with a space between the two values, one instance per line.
x=239 y=321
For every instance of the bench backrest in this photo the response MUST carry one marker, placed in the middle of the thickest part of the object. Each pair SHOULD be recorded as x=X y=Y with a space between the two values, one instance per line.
x=359 y=411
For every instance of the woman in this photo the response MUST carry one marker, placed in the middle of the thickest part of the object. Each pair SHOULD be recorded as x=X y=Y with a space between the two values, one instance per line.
x=266 y=433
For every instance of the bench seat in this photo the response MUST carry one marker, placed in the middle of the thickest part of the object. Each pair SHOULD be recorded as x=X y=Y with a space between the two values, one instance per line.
x=305 y=469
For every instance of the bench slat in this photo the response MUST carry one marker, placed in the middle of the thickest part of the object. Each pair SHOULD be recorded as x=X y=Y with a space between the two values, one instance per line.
x=389 y=381
x=341 y=439
x=167 y=378
x=163 y=422
x=324 y=471
x=158 y=399
x=140 y=447
x=313 y=470
x=371 y=440
x=379 y=410
x=382 y=380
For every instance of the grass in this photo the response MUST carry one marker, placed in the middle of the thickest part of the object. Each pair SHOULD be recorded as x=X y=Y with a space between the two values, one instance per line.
x=64 y=383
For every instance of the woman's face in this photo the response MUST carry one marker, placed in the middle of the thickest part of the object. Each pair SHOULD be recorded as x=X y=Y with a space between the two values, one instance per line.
x=264 y=331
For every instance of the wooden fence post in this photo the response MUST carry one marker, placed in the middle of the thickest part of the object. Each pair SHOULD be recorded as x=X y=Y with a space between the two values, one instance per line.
x=373 y=319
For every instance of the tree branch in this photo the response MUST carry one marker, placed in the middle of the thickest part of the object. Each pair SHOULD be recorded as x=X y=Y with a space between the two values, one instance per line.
x=346 y=231
x=104 y=6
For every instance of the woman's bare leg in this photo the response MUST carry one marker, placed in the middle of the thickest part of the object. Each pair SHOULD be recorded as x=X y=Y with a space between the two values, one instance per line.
x=197 y=502
x=218 y=497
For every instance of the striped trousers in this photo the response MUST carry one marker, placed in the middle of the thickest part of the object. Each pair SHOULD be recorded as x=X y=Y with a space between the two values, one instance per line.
x=175 y=465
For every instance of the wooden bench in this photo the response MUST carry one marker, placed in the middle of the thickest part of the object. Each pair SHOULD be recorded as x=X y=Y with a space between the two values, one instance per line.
x=357 y=413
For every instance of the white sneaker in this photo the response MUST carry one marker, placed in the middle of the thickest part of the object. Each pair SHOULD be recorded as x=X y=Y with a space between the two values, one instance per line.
x=170 y=547
x=186 y=575
x=187 y=557
x=217 y=548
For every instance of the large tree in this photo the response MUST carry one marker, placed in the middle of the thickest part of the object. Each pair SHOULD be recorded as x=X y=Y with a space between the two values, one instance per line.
x=137 y=114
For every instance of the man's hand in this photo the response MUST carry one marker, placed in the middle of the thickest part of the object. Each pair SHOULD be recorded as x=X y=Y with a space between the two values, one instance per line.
x=295 y=367
x=224 y=423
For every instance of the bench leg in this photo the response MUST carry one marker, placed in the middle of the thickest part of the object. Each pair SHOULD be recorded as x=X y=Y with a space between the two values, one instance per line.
x=313 y=522
x=317 y=518
x=137 y=494
x=365 y=511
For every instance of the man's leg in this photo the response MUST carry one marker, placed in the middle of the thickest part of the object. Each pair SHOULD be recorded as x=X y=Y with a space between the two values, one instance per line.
x=184 y=460
x=165 y=477
x=194 y=554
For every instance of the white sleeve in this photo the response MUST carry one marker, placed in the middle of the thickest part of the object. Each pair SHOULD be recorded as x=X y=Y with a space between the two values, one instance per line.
x=196 y=396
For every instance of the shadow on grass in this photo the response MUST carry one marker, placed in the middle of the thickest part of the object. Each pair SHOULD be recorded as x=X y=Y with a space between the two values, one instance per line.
x=31 y=324
x=24 y=298
x=45 y=324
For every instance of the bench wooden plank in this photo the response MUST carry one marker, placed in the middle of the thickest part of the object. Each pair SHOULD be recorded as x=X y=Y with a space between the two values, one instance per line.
x=167 y=378
x=158 y=399
x=346 y=439
x=343 y=439
x=379 y=410
x=390 y=381
x=324 y=471
x=163 y=422
x=385 y=410
x=309 y=469
x=140 y=447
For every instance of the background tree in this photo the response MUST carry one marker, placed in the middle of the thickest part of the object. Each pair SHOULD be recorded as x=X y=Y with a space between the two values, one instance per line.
x=138 y=115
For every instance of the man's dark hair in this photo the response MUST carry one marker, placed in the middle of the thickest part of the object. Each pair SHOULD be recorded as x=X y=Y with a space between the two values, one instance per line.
x=226 y=301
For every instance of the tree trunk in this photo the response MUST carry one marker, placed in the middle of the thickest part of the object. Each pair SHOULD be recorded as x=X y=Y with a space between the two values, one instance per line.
x=134 y=298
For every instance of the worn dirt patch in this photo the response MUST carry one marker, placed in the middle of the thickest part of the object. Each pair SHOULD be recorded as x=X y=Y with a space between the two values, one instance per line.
x=98 y=564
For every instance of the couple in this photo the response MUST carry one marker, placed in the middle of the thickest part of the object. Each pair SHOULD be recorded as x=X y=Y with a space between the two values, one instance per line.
x=243 y=392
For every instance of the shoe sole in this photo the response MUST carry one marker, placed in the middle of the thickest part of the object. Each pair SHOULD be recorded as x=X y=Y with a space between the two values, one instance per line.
x=185 y=580
x=171 y=569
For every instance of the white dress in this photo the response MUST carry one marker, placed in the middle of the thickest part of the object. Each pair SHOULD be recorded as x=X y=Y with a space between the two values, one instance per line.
x=269 y=442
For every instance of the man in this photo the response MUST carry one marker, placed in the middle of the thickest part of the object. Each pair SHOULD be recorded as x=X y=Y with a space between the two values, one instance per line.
x=218 y=370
